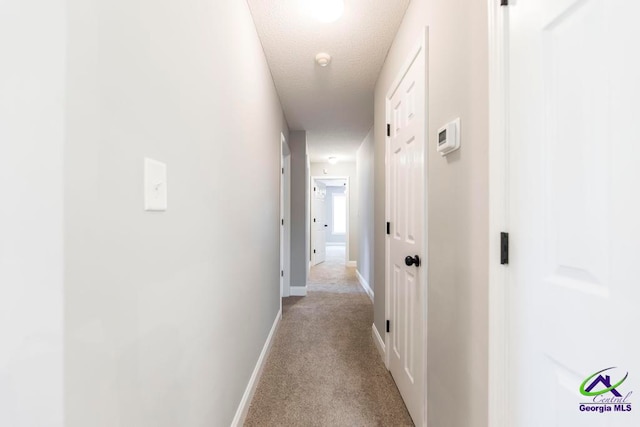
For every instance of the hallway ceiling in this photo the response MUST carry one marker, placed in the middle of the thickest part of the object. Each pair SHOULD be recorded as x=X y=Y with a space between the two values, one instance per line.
x=333 y=104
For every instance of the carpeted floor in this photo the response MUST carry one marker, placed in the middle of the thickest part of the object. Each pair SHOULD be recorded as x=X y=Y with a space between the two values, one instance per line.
x=324 y=369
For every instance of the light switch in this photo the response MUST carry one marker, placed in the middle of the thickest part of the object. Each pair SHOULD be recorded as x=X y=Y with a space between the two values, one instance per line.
x=155 y=185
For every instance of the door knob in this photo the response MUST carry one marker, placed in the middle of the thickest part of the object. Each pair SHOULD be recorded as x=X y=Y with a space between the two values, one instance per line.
x=412 y=260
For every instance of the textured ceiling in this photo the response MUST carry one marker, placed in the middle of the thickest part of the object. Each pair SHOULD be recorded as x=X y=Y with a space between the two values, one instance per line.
x=333 y=104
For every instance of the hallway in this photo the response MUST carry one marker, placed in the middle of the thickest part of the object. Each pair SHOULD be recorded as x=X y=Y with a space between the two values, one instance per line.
x=169 y=171
x=323 y=368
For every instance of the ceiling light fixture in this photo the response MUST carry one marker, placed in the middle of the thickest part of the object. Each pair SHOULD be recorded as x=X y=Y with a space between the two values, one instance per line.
x=326 y=10
x=323 y=59
x=333 y=160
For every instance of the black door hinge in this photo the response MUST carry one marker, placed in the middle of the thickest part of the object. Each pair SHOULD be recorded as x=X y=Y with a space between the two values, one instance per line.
x=504 y=248
x=388 y=228
x=314 y=251
x=388 y=326
x=314 y=220
x=282 y=222
x=504 y=2
x=281 y=273
x=282 y=171
x=388 y=129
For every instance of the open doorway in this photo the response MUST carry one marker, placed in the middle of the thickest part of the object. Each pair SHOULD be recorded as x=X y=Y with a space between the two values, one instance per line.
x=329 y=220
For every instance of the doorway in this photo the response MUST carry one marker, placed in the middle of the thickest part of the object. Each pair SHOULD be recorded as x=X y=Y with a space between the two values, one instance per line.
x=285 y=218
x=329 y=220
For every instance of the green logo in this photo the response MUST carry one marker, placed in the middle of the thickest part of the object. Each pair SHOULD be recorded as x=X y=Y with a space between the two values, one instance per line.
x=605 y=381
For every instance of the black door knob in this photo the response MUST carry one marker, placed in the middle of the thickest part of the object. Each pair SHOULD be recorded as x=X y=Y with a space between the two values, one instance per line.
x=412 y=260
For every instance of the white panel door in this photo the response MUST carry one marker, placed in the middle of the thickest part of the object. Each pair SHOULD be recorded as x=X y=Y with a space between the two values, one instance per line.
x=319 y=244
x=407 y=292
x=574 y=207
x=282 y=230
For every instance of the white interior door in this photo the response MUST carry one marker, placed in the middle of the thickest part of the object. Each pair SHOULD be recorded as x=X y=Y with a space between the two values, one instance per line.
x=406 y=209
x=319 y=244
x=574 y=208
x=282 y=229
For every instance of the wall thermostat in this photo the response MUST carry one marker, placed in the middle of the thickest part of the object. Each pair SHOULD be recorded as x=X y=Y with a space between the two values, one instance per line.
x=449 y=137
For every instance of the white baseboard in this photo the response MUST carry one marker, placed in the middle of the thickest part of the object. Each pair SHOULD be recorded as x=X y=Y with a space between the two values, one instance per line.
x=243 y=408
x=379 y=343
x=352 y=263
x=298 y=291
x=365 y=285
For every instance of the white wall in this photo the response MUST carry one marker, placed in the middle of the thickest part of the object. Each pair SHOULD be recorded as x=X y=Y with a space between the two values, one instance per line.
x=365 y=182
x=166 y=313
x=32 y=82
x=344 y=169
x=458 y=204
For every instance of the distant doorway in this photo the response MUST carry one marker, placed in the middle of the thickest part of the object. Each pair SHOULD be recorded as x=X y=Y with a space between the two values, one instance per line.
x=329 y=220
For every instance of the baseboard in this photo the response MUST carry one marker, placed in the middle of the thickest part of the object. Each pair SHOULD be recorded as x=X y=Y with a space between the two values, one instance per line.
x=243 y=408
x=379 y=343
x=352 y=263
x=298 y=291
x=365 y=285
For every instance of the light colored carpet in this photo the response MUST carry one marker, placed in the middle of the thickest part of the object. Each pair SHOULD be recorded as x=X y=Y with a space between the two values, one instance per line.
x=324 y=369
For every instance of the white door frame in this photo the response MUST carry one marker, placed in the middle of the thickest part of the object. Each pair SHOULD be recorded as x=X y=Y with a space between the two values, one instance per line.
x=285 y=209
x=348 y=192
x=421 y=45
x=498 y=381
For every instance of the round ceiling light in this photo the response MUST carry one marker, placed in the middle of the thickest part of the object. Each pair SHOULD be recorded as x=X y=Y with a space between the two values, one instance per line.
x=326 y=10
x=323 y=59
x=333 y=160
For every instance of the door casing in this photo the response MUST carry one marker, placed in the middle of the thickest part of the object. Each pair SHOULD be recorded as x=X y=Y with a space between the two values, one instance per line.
x=498 y=377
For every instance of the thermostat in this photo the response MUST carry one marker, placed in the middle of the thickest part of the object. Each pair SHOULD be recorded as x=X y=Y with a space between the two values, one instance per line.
x=449 y=137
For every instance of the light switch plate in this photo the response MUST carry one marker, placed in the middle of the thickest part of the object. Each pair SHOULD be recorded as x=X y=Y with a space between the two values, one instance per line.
x=155 y=185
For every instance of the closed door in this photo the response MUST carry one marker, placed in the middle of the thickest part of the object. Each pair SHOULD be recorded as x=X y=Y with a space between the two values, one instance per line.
x=407 y=256
x=282 y=231
x=574 y=209
x=318 y=238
